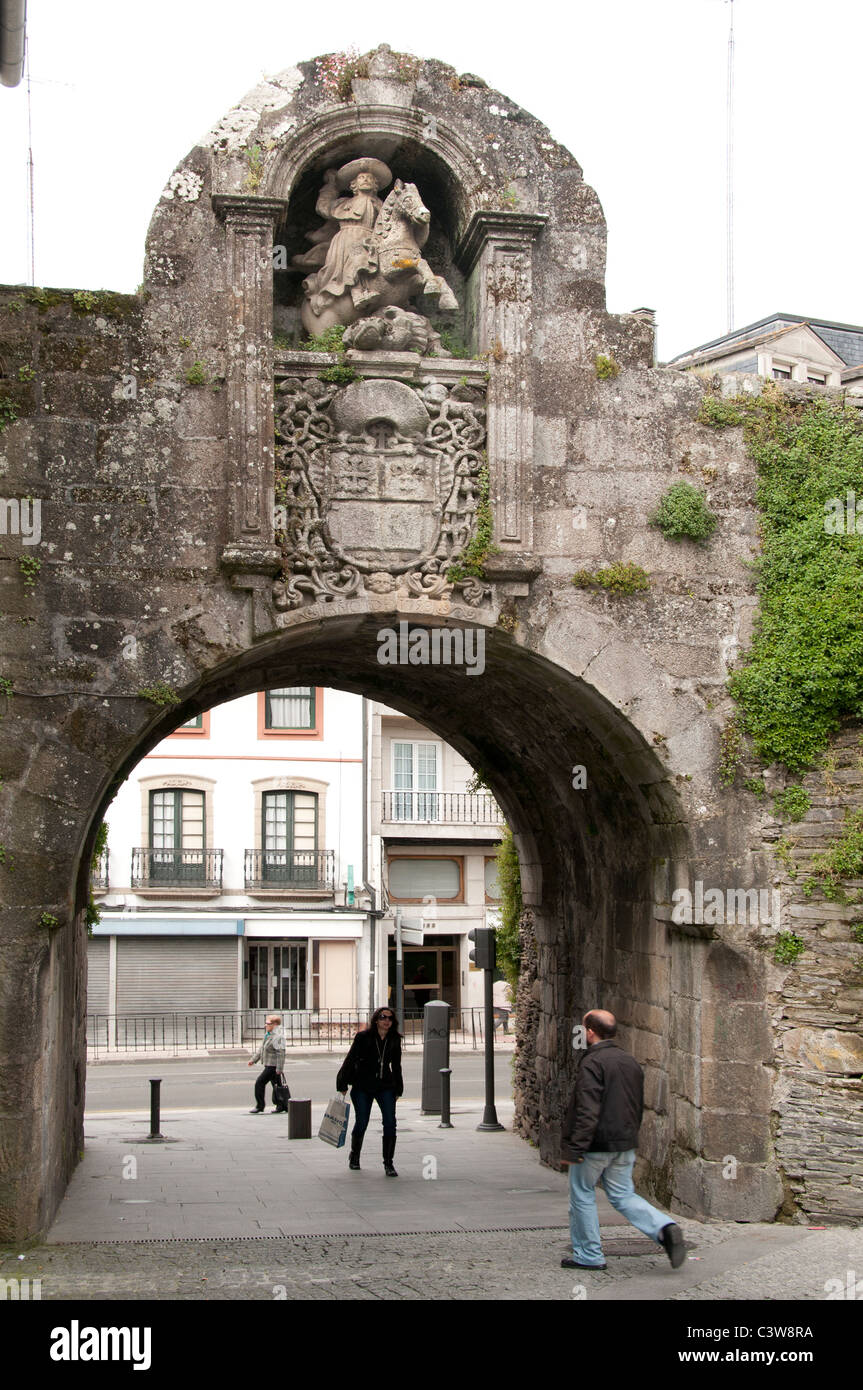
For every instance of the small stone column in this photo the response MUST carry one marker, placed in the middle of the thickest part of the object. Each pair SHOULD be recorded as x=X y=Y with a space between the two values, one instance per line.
x=499 y=247
x=249 y=224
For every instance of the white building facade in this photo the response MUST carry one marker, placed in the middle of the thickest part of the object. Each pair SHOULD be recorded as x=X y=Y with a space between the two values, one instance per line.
x=257 y=859
x=234 y=866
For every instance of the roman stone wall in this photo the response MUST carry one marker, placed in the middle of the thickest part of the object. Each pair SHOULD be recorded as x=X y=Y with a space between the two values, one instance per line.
x=148 y=430
x=816 y=1002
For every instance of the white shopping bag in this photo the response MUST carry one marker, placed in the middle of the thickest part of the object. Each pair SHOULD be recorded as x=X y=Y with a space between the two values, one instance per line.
x=334 y=1125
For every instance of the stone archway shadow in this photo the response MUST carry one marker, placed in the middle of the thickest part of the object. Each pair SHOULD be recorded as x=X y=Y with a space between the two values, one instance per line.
x=597 y=822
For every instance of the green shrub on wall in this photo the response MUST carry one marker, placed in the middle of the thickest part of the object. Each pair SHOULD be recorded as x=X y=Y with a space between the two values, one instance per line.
x=803 y=673
x=619 y=578
x=683 y=514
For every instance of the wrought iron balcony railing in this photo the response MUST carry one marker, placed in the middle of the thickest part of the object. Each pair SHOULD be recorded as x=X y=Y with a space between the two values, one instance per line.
x=99 y=875
x=177 y=868
x=309 y=870
x=440 y=808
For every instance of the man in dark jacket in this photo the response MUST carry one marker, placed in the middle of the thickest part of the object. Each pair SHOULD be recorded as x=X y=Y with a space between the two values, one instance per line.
x=598 y=1142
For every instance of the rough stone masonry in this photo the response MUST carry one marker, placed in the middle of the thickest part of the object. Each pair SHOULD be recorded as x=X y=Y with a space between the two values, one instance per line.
x=200 y=475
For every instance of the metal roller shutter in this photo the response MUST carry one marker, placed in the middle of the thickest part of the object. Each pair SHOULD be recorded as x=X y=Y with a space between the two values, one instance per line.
x=97 y=975
x=171 y=974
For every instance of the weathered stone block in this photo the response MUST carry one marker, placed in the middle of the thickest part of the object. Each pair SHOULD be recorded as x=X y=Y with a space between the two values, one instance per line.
x=745 y=1137
x=736 y=1086
x=684 y=1072
x=826 y=1050
x=736 y=1032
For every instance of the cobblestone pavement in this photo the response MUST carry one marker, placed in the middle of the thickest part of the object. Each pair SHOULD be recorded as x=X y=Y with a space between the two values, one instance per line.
x=726 y=1261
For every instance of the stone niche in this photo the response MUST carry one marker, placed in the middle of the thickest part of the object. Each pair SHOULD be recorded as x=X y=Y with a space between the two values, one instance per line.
x=302 y=235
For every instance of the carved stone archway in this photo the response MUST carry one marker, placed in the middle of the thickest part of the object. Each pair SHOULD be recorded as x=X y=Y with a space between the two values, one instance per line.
x=148 y=433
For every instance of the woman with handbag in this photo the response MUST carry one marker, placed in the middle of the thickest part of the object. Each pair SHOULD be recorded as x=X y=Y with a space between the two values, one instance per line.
x=373 y=1070
x=271 y=1055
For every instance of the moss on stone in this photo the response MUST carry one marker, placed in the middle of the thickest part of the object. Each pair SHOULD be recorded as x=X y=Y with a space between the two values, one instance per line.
x=619 y=578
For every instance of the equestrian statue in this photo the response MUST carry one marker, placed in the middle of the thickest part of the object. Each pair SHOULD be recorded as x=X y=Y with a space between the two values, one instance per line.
x=368 y=256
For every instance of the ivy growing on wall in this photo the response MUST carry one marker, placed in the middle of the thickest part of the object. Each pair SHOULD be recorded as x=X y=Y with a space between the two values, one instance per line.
x=842 y=860
x=509 y=882
x=8 y=412
x=804 y=671
x=93 y=915
x=479 y=547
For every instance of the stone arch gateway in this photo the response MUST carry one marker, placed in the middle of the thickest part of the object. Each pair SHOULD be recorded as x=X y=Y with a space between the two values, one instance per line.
x=222 y=508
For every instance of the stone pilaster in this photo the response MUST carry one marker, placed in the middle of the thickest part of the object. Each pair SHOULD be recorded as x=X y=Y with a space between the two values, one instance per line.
x=249 y=224
x=498 y=248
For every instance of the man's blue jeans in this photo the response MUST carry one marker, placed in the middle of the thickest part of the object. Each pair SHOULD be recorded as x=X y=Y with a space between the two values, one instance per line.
x=614 y=1171
x=362 y=1103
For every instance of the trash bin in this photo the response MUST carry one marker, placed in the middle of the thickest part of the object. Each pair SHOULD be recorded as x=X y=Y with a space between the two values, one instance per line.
x=299 y=1119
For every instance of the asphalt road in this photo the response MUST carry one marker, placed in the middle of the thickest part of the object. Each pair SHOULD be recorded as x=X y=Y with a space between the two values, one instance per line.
x=206 y=1083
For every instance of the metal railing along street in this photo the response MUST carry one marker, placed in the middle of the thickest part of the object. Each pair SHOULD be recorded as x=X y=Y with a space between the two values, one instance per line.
x=214 y=1032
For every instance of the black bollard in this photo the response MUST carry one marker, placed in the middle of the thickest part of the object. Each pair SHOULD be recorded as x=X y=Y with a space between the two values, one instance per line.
x=299 y=1119
x=445 y=1074
x=155 y=1106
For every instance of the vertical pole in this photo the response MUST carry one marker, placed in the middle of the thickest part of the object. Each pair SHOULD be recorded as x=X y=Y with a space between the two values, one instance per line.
x=400 y=973
x=729 y=176
x=489 y=1114
x=155 y=1106
x=445 y=1075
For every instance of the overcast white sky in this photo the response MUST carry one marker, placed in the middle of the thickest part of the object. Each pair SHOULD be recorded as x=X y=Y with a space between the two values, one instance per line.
x=634 y=88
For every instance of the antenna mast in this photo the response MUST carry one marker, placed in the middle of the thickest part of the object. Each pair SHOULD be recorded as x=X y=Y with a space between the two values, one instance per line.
x=729 y=178
x=32 y=222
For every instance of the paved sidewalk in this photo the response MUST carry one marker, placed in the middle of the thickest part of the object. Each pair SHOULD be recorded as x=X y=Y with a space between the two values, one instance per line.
x=234 y=1210
x=234 y=1174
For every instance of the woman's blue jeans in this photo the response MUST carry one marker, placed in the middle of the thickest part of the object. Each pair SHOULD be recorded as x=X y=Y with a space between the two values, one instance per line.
x=362 y=1103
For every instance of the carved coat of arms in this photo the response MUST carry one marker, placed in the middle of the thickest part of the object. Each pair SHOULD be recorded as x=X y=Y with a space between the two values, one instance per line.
x=378 y=485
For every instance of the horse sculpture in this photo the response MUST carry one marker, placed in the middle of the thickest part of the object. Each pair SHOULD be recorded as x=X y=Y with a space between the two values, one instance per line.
x=389 y=268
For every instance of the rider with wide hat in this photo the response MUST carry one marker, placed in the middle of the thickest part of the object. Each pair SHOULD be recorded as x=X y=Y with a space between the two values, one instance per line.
x=349 y=257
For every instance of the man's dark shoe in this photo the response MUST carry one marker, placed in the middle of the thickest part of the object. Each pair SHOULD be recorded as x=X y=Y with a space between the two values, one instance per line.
x=671 y=1239
x=567 y=1263
x=354 y=1161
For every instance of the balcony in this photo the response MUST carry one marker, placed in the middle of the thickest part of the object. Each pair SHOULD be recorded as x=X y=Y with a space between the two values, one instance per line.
x=279 y=871
x=191 y=871
x=440 y=808
x=99 y=875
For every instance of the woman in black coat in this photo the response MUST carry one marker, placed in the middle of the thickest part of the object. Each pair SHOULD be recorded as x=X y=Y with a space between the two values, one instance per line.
x=373 y=1070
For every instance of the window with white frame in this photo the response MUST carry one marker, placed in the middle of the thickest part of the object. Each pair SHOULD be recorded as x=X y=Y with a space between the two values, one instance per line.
x=415 y=781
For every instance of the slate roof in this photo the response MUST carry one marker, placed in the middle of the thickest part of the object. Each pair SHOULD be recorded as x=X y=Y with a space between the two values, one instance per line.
x=844 y=339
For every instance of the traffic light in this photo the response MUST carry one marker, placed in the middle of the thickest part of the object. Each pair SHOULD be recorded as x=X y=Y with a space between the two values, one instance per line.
x=483 y=953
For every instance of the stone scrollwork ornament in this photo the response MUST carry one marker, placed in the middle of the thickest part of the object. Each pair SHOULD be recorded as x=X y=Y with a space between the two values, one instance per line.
x=378 y=487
